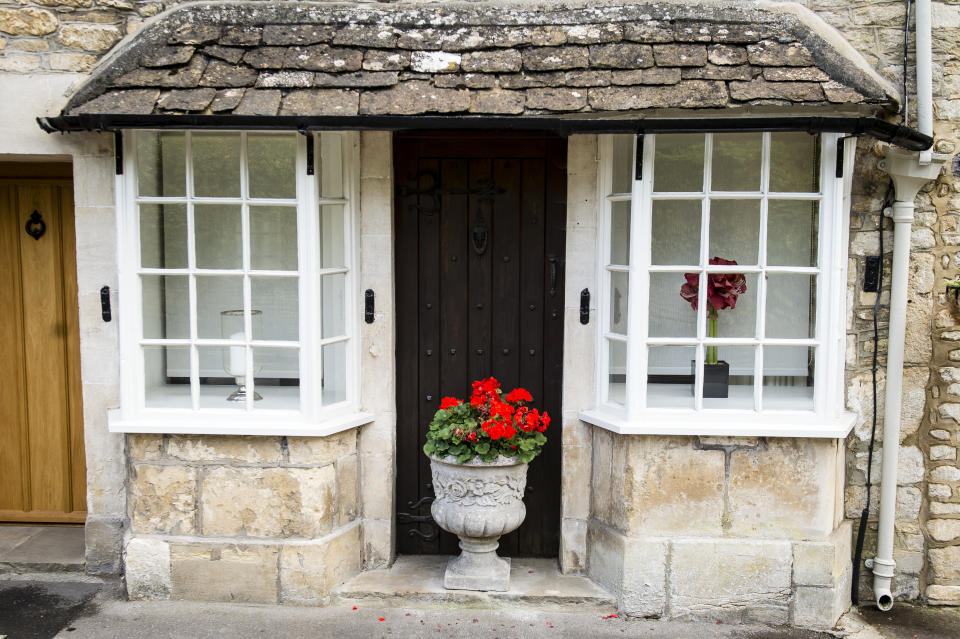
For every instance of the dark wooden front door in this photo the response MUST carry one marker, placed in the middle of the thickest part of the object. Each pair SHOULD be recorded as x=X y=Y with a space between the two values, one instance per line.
x=479 y=287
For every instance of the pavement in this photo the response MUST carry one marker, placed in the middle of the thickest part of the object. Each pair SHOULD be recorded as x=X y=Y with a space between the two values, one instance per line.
x=42 y=608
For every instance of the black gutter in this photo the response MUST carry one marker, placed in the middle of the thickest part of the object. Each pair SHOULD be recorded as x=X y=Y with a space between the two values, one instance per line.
x=895 y=134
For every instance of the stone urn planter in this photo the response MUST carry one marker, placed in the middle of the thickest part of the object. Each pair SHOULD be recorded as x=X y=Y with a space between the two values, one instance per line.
x=478 y=501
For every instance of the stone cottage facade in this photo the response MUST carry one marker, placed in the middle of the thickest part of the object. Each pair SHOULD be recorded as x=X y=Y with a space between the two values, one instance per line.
x=750 y=517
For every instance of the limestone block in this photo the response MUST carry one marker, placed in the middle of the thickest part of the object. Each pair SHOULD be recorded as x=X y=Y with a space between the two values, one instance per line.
x=573 y=546
x=162 y=499
x=821 y=563
x=785 y=490
x=376 y=502
x=143 y=447
x=19 y=63
x=917 y=345
x=939 y=491
x=575 y=480
x=908 y=502
x=27 y=21
x=819 y=607
x=309 y=572
x=377 y=543
x=147 y=568
x=943 y=595
x=937 y=508
x=103 y=540
x=224 y=448
x=89 y=37
x=943 y=529
x=945 y=474
x=643 y=590
x=910 y=467
x=347 y=489
x=712 y=574
x=219 y=572
x=268 y=502
x=942 y=452
x=322 y=450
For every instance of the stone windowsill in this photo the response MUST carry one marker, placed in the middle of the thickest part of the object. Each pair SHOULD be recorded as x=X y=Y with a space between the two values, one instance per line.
x=689 y=423
x=200 y=424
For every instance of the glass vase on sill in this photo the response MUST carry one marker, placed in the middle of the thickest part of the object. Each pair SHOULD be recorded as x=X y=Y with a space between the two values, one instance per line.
x=716 y=374
x=235 y=356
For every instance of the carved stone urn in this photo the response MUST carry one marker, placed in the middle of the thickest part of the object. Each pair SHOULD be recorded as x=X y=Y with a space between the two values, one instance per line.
x=478 y=502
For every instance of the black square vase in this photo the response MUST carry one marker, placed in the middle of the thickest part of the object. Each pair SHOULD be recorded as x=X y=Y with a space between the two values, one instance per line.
x=716 y=379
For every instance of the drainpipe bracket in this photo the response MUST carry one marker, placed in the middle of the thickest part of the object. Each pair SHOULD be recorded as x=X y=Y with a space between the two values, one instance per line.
x=882 y=567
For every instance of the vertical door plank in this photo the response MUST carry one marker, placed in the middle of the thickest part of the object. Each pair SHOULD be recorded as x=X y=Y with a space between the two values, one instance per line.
x=534 y=535
x=44 y=334
x=455 y=250
x=14 y=483
x=78 y=463
x=429 y=295
x=481 y=273
x=407 y=354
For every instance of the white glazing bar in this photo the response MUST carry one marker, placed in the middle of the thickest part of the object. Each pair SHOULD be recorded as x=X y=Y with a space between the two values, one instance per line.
x=245 y=251
x=192 y=281
x=762 y=280
x=640 y=257
x=619 y=197
x=704 y=263
x=604 y=179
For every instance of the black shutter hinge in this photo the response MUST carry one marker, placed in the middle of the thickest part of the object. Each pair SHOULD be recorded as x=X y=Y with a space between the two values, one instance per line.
x=105 y=304
x=638 y=163
x=585 y=306
x=118 y=150
x=309 y=137
x=368 y=306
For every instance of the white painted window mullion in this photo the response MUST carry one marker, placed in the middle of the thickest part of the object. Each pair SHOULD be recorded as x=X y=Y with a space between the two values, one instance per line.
x=192 y=269
x=762 y=278
x=639 y=280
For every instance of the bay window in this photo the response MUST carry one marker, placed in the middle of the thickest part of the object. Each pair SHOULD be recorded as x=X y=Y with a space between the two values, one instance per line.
x=237 y=283
x=722 y=265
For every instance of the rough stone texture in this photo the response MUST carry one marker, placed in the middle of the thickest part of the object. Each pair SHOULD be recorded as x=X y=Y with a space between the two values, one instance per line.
x=27 y=21
x=147 y=568
x=309 y=572
x=221 y=572
x=163 y=499
x=718 y=44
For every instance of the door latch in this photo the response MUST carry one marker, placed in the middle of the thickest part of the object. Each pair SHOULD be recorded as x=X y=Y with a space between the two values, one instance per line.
x=105 y=304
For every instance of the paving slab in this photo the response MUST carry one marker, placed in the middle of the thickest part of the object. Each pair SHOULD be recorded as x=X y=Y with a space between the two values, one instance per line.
x=13 y=536
x=418 y=581
x=56 y=548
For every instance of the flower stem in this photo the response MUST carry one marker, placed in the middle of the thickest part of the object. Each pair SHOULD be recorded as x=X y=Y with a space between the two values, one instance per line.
x=712 y=332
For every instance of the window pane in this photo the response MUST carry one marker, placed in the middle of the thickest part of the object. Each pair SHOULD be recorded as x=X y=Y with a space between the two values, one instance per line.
x=670 y=315
x=272 y=163
x=735 y=230
x=216 y=164
x=333 y=305
x=223 y=371
x=273 y=238
x=217 y=230
x=331 y=236
x=622 y=163
x=163 y=235
x=670 y=376
x=215 y=295
x=278 y=378
x=278 y=299
x=334 y=380
x=736 y=161
x=794 y=162
x=166 y=312
x=161 y=164
x=616 y=372
x=676 y=232
x=740 y=321
x=791 y=305
x=619 y=302
x=792 y=228
x=732 y=376
x=788 y=377
x=330 y=172
x=620 y=233
x=166 y=376
x=678 y=162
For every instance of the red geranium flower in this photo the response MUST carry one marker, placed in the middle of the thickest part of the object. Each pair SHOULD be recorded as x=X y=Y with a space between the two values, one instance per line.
x=449 y=402
x=519 y=395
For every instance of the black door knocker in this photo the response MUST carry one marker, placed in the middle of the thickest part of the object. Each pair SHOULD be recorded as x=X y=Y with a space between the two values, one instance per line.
x=479 y=235
x=35 y=226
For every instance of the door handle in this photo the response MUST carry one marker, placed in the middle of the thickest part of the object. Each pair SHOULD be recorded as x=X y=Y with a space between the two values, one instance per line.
x=553 y=275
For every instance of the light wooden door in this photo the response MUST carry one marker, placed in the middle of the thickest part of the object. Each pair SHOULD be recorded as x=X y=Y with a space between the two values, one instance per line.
x=42 y=469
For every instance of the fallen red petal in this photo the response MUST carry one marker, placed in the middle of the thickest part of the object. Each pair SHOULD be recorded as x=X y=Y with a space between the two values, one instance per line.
x=354 y=607
x=380 y=619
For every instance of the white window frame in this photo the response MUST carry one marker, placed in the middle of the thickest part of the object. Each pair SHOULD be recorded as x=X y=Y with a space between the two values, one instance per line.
x=829 y=418
x=312 y=418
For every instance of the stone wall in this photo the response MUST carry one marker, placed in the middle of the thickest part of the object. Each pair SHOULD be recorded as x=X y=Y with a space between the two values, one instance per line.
x=730 y=529
x=251 y=519
x=927 y=541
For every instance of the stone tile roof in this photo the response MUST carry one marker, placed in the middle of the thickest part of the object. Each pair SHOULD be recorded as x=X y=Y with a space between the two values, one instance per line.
x=455 y=58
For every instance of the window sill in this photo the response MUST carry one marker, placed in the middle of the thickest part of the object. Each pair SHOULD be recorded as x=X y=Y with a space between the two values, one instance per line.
x=683 y=423
x=217 y=425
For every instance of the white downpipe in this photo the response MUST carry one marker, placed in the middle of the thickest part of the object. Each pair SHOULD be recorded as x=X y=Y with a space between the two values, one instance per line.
x=924 y=52
x=909 y=175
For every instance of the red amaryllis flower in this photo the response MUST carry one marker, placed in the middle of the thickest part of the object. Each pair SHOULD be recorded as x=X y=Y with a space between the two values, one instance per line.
x=722 y=288
x=449 y=402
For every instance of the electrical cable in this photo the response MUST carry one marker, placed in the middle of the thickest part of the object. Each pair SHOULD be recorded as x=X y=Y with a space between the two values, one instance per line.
x=906 y=44
x=862 y=530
